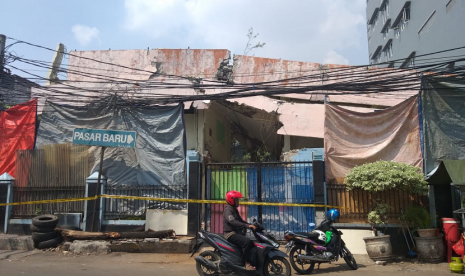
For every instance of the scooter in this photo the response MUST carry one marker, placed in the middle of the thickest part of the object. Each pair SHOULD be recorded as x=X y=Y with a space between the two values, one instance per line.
x=322 y=245
x=226 y=258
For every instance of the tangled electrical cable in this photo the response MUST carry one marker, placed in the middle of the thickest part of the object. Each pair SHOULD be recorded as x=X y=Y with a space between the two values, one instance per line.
x=88 y=84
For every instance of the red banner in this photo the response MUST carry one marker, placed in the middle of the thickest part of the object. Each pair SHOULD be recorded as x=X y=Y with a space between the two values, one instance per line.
x=17 y=132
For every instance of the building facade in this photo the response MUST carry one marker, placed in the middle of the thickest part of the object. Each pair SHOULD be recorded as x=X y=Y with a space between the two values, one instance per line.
x=401 y=33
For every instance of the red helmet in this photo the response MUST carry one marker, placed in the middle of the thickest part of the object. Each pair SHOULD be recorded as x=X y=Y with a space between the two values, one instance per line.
x=231 y=195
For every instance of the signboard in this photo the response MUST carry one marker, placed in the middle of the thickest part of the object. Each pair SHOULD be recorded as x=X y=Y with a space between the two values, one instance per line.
x=104 y=138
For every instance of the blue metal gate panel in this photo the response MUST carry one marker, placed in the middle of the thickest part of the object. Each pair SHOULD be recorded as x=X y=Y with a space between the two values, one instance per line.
x=280 y=182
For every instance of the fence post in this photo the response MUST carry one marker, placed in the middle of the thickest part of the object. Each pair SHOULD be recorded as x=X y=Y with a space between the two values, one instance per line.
x=90 y=216
x=259 y=190
x=6 y=196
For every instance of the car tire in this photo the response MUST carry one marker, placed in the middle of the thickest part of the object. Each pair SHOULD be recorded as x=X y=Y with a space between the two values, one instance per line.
x=40 y=229
x=45 y=221
x=41 y=237
x=50 y=243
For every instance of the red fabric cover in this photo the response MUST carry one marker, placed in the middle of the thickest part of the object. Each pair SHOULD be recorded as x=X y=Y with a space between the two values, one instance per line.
x=17 y=132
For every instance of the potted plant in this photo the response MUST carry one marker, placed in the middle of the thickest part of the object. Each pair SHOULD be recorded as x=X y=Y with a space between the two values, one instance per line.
x=418 y=217
x=382 y=176
x=429 y=244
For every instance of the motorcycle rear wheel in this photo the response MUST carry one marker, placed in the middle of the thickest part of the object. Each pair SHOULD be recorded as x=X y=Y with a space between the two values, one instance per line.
x=204 y=271
x=300 y=266
x=277 y=265
x=349 y=258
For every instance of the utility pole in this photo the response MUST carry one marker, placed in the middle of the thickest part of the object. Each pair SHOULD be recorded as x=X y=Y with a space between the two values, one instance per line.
x=2 y=52
x=56 y=62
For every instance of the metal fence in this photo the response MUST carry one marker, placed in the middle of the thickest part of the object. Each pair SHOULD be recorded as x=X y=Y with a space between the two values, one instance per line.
x=356 y=204
x=22 y=194
x=290 y=182
x=118 y=208
x=51 y=172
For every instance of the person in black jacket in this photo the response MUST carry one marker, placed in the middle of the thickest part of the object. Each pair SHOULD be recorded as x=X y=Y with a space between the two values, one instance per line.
x=234 y=227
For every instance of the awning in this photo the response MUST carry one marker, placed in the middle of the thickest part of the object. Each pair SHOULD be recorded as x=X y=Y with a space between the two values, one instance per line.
x=447 y=172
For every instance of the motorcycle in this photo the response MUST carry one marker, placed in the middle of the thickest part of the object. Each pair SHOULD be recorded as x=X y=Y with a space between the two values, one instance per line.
x=322 y=245
x=226 y=257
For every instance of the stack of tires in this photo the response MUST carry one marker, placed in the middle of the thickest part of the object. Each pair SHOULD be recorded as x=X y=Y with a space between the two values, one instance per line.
x=43 y=232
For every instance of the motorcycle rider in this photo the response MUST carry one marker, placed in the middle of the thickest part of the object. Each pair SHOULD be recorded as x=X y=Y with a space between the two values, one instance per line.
x=234 y=227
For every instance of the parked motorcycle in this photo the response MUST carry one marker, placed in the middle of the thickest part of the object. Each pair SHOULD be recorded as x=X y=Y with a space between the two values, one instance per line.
x=227 y=258
x=322 y=245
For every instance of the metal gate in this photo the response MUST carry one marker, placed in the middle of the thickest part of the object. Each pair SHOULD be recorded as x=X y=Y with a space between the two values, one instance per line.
x=289 y=182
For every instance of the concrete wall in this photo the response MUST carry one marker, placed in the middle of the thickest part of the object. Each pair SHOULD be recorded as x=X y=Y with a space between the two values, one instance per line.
x=443 y=31
x=217 y=136
x=191 y=131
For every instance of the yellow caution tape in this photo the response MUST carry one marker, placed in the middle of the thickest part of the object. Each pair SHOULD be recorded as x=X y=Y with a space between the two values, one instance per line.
x=169 y=200
x=50 y=201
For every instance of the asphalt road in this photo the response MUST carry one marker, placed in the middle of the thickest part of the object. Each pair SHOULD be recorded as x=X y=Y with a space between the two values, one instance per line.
x=40 y=263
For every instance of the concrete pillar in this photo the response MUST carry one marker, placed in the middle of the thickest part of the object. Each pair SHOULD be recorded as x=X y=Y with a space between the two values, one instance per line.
x=93 y=210
x=6 y=196
x=287 y=143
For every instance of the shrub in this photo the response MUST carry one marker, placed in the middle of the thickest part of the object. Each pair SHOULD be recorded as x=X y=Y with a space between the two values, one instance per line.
x=385 y=175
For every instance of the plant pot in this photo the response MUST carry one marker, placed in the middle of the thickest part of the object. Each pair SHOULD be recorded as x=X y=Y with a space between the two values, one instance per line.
x=379 y=248
x=425 y=233
x=430 y=249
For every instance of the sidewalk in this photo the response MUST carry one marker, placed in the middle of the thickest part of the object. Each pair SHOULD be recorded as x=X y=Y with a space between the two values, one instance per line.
x=120 y=264
x=180 y=244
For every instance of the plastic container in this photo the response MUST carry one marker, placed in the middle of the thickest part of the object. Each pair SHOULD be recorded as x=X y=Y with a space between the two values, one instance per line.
x=450 y=226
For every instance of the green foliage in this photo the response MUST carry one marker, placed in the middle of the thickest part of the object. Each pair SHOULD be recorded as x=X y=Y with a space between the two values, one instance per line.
x=379 y=214
x=385 y=175
x=38 y=211
x=418 y=217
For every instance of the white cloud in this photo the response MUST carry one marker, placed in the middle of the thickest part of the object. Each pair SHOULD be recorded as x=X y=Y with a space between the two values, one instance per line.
x=84 y=34
x=334 y=58
x=292 y=29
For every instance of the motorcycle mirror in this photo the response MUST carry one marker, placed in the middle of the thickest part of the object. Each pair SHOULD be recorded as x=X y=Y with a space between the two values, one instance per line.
x=311 y=225
x=254 y=220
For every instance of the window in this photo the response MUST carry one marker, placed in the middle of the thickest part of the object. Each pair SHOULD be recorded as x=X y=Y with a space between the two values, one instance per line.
x=450 y=5
x=409 y=62
x=429 y=22
x=405 y=17
x=388 y=51
x=374 y=19
x=386 y=28
x=402 y=19
x=385 y=11
x=376 y=57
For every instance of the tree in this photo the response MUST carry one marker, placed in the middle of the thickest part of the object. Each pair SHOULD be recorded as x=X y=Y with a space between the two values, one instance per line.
x=251 y=36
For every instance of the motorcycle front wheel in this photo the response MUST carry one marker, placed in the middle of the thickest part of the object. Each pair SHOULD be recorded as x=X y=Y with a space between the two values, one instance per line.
x=349 y=258
x=204 y=271
x=300 y=266
x=277 y=265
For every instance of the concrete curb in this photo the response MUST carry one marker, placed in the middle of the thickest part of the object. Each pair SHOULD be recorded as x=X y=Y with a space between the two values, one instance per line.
x=152 y=245
x=13 y=242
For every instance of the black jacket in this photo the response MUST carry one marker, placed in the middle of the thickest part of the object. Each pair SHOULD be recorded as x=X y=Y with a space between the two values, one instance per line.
x=232 y=221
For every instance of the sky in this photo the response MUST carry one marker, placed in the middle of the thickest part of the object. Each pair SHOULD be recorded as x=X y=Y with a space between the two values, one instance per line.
x=321 y=31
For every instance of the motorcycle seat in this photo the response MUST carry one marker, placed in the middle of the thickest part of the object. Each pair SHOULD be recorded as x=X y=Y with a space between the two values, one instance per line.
x=308 y=235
